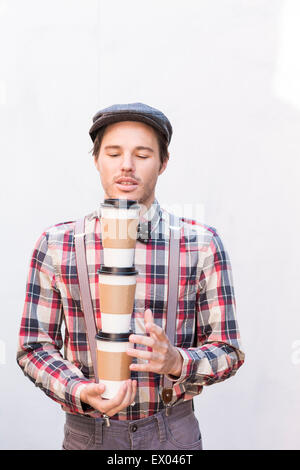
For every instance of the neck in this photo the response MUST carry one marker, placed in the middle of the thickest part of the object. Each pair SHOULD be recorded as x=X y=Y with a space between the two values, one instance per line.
x=145 y=205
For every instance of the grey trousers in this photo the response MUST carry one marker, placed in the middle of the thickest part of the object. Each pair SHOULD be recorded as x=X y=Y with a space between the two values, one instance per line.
x=177 y=431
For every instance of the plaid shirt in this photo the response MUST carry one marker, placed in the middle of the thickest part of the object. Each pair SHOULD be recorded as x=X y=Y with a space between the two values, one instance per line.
x=207 y=334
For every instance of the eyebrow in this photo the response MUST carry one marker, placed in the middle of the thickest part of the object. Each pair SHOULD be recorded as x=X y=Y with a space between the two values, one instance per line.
x=139 y=147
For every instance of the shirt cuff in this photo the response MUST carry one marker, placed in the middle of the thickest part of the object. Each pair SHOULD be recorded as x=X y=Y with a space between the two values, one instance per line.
x=72 y=396
x=188 y=369
x=184 y=368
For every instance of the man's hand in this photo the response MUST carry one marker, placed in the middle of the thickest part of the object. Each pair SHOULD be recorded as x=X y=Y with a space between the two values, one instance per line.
x=91 y=394
x=163 y=357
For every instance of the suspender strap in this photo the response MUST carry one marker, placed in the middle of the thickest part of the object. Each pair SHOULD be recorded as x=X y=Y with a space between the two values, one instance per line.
x=84 y=287
x=173 y=281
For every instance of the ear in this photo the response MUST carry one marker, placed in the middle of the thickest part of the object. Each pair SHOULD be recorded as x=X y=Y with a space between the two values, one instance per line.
x=164 y=165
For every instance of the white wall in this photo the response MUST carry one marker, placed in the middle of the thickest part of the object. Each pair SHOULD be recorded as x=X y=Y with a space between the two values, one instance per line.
x=226 y=73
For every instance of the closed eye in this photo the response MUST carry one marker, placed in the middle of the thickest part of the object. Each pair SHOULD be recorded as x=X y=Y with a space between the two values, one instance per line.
x=116 y=155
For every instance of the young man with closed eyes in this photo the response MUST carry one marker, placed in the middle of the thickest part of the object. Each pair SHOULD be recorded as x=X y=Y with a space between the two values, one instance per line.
x=130 y=153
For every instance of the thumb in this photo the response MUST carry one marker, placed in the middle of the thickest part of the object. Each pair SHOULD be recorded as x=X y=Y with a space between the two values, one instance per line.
x=97 y=389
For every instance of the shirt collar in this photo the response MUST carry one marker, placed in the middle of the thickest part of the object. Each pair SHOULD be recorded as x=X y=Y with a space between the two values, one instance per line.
x=148 y=222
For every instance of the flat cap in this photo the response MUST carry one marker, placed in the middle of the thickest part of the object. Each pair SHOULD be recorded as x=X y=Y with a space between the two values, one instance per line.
x=132 y=112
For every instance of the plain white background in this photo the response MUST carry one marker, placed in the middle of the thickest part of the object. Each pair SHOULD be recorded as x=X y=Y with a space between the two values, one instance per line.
x=227 y=75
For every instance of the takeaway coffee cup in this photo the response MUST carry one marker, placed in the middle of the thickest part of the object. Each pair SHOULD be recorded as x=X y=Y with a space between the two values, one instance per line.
x=117 y=293
x=119 y=222
x=112 y=361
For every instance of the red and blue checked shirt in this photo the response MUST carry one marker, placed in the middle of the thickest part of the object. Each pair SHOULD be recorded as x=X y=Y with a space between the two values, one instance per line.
x=207 y=334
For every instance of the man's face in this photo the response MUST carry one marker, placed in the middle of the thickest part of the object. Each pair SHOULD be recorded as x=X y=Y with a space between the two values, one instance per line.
x=128 y=161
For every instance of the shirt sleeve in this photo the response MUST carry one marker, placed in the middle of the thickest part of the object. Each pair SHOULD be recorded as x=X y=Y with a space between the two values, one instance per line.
x=40 y=338
x=218 y=354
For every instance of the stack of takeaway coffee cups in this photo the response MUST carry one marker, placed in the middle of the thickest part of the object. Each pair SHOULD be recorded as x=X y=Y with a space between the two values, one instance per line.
x=117 y=282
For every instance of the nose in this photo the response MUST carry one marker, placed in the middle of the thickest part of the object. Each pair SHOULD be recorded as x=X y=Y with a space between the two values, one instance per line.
x=127 y=164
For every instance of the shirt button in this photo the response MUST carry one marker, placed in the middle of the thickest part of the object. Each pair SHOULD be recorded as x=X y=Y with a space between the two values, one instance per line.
x=134 y=428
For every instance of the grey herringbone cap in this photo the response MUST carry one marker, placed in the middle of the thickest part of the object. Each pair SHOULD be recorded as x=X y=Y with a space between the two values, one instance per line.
x=132 y=112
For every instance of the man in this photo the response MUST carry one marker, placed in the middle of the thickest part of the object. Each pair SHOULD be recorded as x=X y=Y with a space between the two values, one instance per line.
x=130 y=152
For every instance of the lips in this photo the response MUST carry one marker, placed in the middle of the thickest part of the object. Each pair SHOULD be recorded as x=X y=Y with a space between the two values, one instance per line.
x=126 y=179
x=126 y=184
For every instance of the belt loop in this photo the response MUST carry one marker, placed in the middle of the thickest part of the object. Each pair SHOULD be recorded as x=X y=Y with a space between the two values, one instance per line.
x=98 y=431
x=161 y=426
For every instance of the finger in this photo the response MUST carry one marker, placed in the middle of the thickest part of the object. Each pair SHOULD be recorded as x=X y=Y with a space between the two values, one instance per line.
x=138 y=353
x=133 y=392
x=140 y=339
x=150 y=342
x=112 y=403
x=148 y=317
x=146 y=355
x=134 y=387
x=127 y=397
x=96 y=389
x=150 y=367
x=125 y=402
x=157 y=330
x=150 y=326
